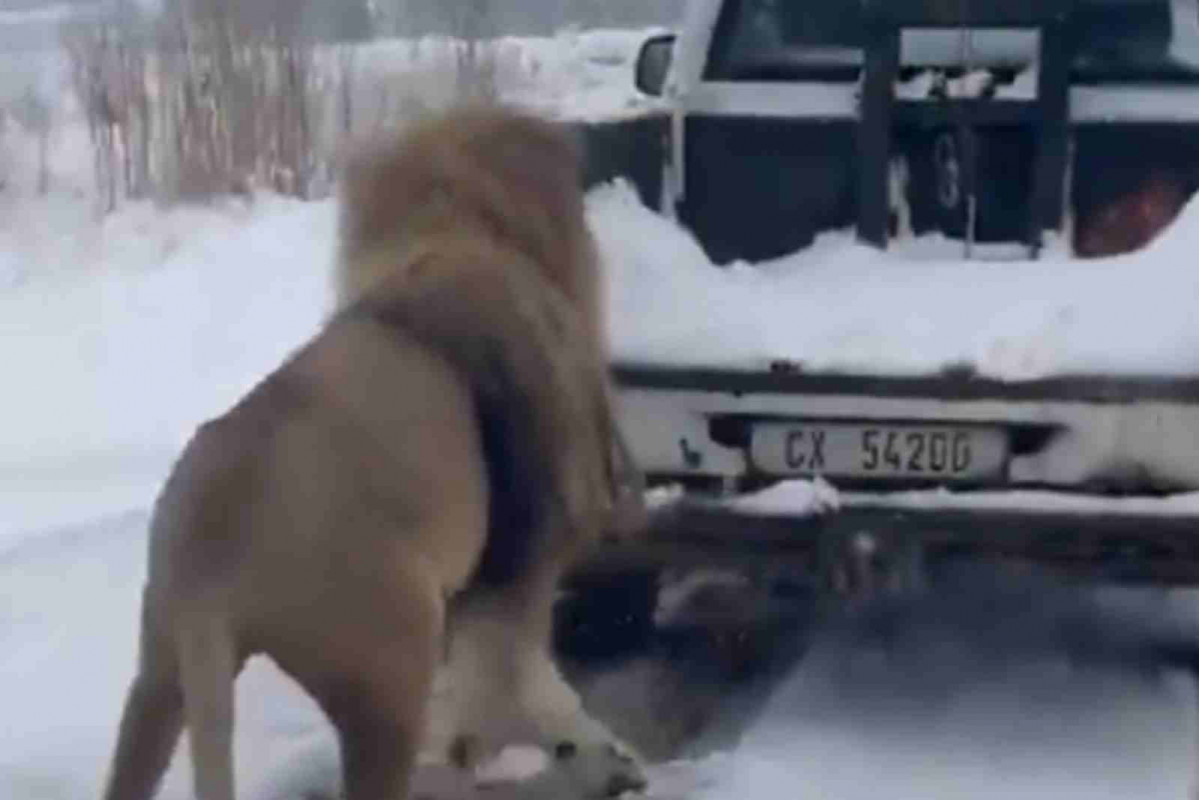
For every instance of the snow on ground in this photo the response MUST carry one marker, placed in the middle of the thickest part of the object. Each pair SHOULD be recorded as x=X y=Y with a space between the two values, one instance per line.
x=951 y=716
x=123 y=335
x=995 y=685
x=68 y=638
x=68 y=634
x=970 y=707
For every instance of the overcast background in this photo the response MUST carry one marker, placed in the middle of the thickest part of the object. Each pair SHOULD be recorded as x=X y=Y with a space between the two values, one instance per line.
x=32 y=24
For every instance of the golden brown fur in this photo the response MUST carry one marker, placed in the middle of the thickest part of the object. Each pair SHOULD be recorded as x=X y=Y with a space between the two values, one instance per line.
x=515 y=179
x=428 y=464
x=513 y=176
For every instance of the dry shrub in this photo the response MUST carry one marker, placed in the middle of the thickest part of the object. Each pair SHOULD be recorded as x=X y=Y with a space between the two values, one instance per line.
x=198 y=103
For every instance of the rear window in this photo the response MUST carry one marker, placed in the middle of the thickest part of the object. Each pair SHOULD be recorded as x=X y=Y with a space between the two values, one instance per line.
x=785 y=39
x=764 y=40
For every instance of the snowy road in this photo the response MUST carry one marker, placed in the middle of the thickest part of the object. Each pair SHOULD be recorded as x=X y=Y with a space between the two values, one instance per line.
x=980 y=701
x=67 y=645
x=976 y=696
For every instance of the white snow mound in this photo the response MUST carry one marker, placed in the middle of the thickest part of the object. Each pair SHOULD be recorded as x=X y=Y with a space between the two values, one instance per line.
x=843 y=307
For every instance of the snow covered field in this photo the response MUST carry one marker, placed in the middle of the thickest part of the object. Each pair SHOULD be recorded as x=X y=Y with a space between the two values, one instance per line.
x=118 y=337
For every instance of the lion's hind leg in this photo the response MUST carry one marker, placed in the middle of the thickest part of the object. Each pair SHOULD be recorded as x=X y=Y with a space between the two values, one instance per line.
x=369 y=662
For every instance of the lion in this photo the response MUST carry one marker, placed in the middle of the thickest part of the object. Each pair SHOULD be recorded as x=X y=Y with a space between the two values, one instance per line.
x=402 y=495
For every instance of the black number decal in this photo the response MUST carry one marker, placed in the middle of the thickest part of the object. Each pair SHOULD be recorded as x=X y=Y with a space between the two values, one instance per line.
x=891 y=452
x=962 y=452
x=916 y=446
x=938 y=452
x=794 y=453
x=870 y=450
x=917 y=452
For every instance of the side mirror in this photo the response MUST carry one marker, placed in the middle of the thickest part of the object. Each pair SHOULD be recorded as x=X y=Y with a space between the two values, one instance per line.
x=653 y=63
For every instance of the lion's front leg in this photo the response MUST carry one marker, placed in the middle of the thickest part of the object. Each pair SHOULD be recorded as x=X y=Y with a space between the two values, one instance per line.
x=505 y=689
x=599 y=763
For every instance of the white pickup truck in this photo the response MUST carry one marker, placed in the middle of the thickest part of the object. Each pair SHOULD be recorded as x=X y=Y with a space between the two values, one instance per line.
x=1006 y=128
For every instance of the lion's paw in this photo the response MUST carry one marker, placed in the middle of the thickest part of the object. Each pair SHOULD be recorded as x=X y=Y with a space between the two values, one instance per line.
x=602 y=769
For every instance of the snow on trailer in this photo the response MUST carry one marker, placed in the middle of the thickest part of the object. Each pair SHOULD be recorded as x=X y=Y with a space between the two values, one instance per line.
x=918 y=309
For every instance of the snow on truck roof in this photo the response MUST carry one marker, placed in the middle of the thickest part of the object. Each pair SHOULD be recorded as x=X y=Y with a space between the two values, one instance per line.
x=918 y=309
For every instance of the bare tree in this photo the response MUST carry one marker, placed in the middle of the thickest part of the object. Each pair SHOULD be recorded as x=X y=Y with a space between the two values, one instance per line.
x=32 y=112
x=346 y=85
x=238 y=78
x=213 y=96
x=109 y=60
x=473 y=23
x=95 y=73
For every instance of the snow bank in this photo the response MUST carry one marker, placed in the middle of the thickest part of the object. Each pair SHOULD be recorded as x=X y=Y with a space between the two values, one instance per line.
x=843 y=307
x=134 y=330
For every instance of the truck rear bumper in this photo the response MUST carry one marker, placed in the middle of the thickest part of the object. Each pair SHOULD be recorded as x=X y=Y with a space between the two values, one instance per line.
x=1121 y=540
x=1136 y=434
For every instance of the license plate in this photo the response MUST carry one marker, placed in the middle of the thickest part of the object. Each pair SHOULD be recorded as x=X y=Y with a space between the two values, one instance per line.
x=939 y=452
